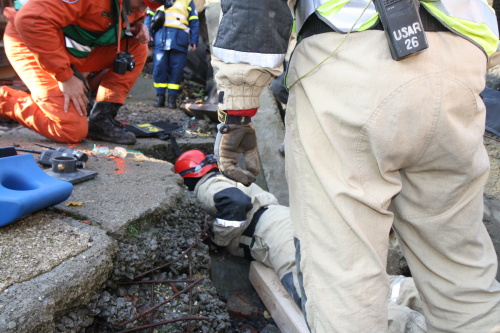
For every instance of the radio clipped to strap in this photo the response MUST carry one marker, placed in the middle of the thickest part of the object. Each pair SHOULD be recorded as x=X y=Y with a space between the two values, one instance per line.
x=403 y=27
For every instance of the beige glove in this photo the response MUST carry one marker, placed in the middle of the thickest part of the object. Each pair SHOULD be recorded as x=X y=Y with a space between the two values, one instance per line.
x=236 y=135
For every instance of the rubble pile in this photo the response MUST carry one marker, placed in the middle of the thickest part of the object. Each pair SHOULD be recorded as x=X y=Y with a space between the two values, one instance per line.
x=175 y=242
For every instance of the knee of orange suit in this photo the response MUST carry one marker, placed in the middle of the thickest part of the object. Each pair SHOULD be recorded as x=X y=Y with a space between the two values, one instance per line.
x=55 y=124
x=68 y=132
x=78 y=134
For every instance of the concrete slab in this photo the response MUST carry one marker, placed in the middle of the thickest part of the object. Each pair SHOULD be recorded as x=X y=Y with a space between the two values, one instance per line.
x=270 y=134
x=49 y=253
x=35 y=245
x=32 y=305
x=140 y=186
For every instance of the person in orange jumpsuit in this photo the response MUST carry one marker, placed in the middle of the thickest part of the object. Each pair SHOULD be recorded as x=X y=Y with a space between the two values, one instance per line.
x=51 y=43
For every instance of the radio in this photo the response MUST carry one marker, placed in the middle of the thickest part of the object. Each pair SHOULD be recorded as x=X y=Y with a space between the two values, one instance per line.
x=403 y=27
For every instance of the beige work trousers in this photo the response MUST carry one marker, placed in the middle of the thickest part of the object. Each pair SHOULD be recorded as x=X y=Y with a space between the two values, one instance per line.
x=373 y=143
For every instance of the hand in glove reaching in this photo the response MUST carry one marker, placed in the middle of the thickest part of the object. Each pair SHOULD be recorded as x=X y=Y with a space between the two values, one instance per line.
x=236 y=135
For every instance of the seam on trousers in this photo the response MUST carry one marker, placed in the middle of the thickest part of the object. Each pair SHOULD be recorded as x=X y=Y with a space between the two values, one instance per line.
x=411 y=318
x=434 y=130
x=367 y=125
x=307 y=235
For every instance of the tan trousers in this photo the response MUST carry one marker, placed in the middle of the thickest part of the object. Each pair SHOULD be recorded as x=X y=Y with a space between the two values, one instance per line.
x=371 y=144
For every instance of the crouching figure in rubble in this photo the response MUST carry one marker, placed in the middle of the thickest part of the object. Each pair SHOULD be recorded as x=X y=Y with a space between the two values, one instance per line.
x=249 y=222
x=54 y=44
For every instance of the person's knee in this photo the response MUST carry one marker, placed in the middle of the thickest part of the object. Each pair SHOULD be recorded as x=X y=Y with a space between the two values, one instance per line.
x=60 y=126
x=73 y=132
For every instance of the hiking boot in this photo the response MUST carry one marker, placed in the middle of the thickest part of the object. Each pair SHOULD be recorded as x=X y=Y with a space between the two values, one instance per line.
x=172 y=102
x=103 y=126
x=160 y=100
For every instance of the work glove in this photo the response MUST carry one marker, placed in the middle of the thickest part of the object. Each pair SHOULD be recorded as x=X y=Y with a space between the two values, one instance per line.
x=236 y=135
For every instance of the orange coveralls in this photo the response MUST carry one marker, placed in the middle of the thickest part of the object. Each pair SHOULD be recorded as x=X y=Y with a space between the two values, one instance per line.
x=34 y=44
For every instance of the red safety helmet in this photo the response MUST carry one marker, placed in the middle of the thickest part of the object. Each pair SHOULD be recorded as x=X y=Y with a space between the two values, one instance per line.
x=154 y=4
x=194 y=163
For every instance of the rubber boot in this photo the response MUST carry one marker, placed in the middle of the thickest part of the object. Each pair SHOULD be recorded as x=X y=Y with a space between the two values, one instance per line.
x=160 y=101
x=172 y=102
x=102 y=125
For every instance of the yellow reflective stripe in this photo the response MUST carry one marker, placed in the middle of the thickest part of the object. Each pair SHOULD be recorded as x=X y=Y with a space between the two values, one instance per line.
x=331 y=7
x=346 y=15
x=160 y=85
x=170 y=15
x=173 y=86
x=189 y=8
x=478 y=33
x=150 y=12
x=175 y=24
x=193 y=18
x=368 y=24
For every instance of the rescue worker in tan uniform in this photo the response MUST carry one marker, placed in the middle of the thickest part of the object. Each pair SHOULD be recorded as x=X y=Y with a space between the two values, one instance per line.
x=52 y=44
x=371 y=144
x=250 y=223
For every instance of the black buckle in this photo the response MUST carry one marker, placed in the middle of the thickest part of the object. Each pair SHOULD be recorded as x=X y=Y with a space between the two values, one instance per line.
x=229 y=119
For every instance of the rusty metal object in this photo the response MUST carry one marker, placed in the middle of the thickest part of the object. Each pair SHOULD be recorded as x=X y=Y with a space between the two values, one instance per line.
x=162 y=303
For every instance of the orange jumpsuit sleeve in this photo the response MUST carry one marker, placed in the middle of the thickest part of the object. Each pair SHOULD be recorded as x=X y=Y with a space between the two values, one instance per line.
x=39 y=24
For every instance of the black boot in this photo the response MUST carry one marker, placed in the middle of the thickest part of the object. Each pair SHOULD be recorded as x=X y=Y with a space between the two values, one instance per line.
x=102 y=125
x=172 y=102
x=160 y=101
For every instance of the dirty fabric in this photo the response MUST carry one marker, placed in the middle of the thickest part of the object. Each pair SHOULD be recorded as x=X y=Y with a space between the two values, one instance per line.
x=36 y=244
x=491 y=99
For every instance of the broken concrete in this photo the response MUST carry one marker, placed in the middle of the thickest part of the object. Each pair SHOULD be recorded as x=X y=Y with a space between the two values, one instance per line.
x=35 y=245
x=31 y=305
x=271 y=133
x=75 y=253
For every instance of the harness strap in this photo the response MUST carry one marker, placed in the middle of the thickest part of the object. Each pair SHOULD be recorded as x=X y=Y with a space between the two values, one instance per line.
x=249 y=232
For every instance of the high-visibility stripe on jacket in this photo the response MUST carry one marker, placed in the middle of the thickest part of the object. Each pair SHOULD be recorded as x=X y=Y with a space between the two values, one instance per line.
x=179 y=15
x=80 y=41
x=37 y=30
x=471 y=19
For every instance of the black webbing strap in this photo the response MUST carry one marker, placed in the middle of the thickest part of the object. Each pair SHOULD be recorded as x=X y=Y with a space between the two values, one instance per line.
x=314 y=25
x=250 y=230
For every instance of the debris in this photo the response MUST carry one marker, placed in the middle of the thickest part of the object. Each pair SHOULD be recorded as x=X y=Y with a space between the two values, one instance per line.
x=73 y=203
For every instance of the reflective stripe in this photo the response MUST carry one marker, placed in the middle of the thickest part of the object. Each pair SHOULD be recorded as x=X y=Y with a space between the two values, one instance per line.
x=342 y=17
x=478 y=23
x=72 y=44
x=173 y=86
x=305 y=9
x=396 y=288
x=150 y=12
x=193 y=18
x=461 y=9
x=175 y=24
x=169 y=15
x=471 y=19
x=255 y=59
x=226 y=223
x=160 y=85
x=177 y=15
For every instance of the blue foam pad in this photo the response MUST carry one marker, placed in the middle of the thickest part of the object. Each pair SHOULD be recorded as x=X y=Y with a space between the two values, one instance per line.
x=25 y=188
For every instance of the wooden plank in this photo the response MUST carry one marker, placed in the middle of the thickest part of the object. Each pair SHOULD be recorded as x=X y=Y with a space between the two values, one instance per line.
x=283 y=309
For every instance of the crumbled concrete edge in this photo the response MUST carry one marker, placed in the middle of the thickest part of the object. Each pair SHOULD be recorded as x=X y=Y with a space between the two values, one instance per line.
x=31 y=306
x=151 y=217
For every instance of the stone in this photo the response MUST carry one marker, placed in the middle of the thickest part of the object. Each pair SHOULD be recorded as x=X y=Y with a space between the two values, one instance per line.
x=239 y=306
